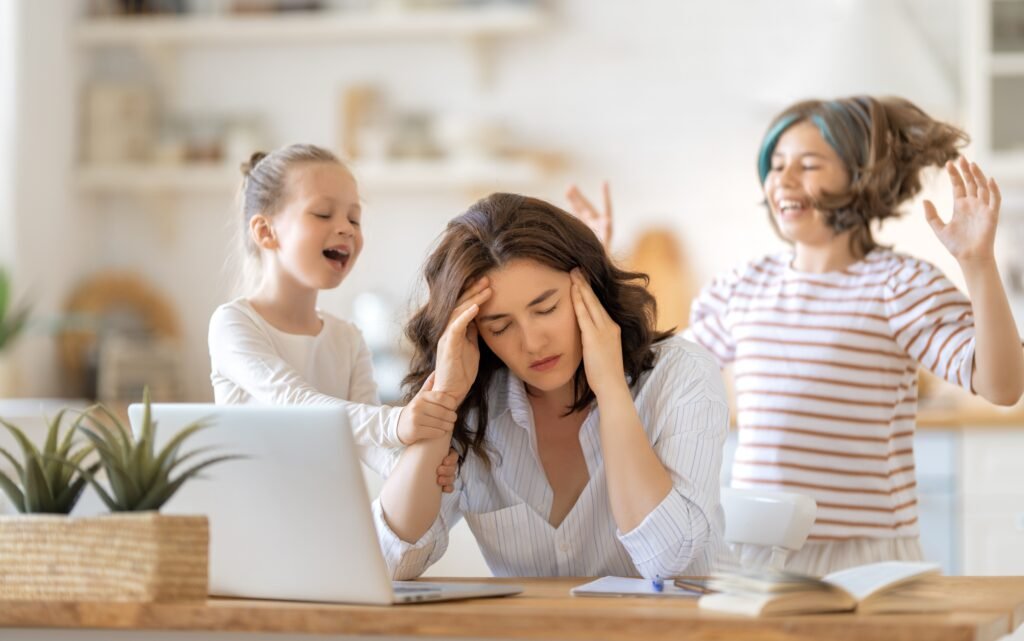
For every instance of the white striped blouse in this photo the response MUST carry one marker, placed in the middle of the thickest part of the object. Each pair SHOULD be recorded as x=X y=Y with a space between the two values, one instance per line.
x=683 y=407
x=826 y=379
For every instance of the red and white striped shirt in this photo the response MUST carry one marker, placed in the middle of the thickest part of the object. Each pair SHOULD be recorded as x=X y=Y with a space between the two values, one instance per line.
x=825 y=367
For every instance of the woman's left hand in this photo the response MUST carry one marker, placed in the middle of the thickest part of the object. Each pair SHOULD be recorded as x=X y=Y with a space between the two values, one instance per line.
x=971 y=231
x=602 y=338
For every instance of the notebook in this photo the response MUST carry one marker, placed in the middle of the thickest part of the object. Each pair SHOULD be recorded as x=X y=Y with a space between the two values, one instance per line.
x=292 y=519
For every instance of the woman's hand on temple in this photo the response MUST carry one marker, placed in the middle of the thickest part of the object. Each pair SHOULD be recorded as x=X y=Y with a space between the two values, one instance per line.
x=600 y=221
x=602 y=338
x=971 y=231
x=458 y=352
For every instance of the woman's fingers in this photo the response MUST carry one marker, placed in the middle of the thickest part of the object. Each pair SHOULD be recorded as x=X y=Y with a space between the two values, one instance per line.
x=996 y=198
x=460 y=324
x=594 y=307
x=580 y=205
x=478 y=298
x=981 y=180
x=580 y=308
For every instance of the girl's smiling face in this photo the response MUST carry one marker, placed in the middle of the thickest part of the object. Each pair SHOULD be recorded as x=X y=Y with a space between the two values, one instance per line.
x=804 y=167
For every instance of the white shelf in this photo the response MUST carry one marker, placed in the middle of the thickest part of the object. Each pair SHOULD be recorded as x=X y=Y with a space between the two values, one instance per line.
x=1008 y=64
x=404 y=176
x=307 y=27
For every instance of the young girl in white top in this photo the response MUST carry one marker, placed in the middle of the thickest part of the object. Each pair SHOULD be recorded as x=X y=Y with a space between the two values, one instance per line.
x=302 y=234
x=826 y=340
x=592 y=442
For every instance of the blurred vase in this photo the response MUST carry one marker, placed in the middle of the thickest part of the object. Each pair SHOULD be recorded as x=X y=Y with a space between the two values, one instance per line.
x=8 y=376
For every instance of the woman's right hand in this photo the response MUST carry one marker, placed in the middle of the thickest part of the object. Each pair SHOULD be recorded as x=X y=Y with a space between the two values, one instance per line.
x=600 y=222
x=458 y=354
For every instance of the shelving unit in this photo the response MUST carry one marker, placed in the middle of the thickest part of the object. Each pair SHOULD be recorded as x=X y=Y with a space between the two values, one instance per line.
x=225 y=30
x=993 y=73
x=215 y=179
x=159 y=38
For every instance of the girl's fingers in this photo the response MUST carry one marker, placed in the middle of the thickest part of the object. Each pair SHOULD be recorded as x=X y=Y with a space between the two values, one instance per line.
x=981 y=180
x=606 y=198
x=965 y=170
x=440 y=412
x=959 y=189
x=996 y=198
x=442 y=399
x=461 y=322
x=932 y=216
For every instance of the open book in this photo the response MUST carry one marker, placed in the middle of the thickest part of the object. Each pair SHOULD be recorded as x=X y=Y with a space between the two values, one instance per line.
x=890 y=586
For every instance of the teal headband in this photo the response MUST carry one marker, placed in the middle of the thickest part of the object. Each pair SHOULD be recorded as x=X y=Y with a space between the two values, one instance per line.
x=764 y=157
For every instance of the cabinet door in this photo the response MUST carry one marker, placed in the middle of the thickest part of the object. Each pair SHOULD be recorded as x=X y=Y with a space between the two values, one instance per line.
x=992 y=487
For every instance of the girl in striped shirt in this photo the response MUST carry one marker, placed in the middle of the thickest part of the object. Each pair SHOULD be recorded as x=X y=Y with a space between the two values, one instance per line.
x=826 y=340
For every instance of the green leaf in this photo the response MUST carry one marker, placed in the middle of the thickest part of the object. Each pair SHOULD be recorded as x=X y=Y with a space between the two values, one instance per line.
x=28 y=449
x=38 y=495
x=116 y=473
x=67 y=499
x=12 y=491
x=97 y=426
x=161 y=494
x=52 y=469
x=90 y=476
x=17 y=466
x=126 y=436
x=170 y=449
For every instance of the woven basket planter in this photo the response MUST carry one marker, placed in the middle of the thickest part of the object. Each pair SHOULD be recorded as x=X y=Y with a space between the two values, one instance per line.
x=143 y=556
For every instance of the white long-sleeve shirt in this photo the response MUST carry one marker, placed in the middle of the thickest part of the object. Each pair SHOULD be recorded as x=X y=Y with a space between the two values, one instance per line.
x=253 y=362
x=683 y=408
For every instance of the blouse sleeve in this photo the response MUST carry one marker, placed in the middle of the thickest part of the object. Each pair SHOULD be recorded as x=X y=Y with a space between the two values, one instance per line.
x=687 y=416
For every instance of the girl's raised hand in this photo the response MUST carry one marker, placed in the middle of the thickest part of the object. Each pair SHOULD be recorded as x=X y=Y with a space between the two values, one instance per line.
x=458 y=353
x=600 y=221
x=602 y=338
x=971 y=231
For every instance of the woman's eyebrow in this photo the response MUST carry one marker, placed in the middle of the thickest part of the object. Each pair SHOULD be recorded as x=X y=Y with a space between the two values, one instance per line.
x=539 y=299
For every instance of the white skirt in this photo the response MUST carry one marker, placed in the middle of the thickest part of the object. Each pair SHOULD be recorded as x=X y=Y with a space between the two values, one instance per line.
x=818 y=558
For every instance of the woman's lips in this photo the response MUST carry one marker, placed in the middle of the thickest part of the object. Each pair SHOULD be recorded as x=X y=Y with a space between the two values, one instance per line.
x=545 y=364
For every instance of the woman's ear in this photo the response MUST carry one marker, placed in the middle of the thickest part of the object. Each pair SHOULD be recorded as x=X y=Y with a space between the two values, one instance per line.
x=262 y=232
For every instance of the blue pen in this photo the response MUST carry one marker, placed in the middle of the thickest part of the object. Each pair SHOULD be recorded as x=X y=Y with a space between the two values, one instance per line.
x=658 y=583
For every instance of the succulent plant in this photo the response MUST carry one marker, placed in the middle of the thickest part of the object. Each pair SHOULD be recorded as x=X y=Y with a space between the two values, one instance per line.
x=12 y=320
x=50 y=480
x=139 y=476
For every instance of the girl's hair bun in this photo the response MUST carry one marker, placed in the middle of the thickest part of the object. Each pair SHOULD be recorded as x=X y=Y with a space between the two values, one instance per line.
x=254 y=160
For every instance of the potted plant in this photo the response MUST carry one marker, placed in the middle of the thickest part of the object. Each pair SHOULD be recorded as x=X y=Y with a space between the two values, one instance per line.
x=12 y=321
x=133 y=554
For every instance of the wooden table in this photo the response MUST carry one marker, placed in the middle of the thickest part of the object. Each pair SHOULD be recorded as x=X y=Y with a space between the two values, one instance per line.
x=986 y=609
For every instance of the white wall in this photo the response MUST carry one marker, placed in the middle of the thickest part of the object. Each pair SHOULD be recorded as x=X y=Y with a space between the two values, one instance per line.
x=8 y=68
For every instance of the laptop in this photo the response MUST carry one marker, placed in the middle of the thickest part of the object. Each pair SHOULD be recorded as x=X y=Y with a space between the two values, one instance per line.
x=292 y=520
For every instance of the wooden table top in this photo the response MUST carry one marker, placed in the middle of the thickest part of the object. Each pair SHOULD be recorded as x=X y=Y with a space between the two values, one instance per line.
x=986 y=609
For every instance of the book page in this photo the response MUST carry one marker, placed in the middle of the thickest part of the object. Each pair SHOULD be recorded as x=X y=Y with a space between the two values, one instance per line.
x=864 y=580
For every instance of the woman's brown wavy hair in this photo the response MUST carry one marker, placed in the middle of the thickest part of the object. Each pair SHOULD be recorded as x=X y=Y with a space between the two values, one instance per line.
x=884 y=143
x=492 y=232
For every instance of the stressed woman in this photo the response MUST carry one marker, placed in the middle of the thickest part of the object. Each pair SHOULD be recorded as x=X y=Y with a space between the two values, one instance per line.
x=591 y=443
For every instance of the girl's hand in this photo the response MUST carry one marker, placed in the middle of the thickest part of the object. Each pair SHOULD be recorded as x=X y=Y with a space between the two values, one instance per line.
x=458 y=353
x=602 y=338
x=598 y=221
x=971 y=232
x=430 y=414
x=447 y=471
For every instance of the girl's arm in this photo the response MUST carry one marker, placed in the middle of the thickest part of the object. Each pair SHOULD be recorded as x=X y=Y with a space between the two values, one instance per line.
x=998 y=373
